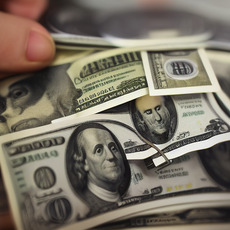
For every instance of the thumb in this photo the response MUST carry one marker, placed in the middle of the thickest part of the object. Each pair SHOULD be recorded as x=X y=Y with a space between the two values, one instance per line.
x=24 y=45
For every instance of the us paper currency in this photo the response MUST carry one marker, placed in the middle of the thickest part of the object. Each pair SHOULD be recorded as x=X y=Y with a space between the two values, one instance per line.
x=174 y=124
x=120 y=72
x=72 y=85
x=174 y=72
x=82 y=178
x=184 y=217
x=158 y=128
x=107 y=79
x=68 y=87
x=32 y=100
x=101 y=81
x=150 y=116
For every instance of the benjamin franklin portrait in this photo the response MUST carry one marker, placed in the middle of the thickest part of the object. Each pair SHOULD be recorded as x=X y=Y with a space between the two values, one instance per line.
x=97 y=167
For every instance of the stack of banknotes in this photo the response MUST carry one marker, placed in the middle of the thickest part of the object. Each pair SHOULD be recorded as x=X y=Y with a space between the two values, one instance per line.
x=128 y=127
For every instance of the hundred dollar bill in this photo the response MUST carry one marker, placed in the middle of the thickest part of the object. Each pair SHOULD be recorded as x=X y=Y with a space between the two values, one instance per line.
x=80 y=178
x=67 y=87
x=73 y=84
x=172 y=125
x=107 y=79
x=196 y=122
x=184 y=218
x=179 y=72
x=215 y=162
x=116 y=76
x=35 y=99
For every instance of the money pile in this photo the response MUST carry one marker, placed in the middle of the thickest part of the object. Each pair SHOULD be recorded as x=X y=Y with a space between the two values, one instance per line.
x=128 y=127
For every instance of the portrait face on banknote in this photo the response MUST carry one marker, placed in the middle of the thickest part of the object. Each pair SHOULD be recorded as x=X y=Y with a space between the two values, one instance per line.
x=155 y=118
x=216 y=161
x=96 y=163
x=32 y=100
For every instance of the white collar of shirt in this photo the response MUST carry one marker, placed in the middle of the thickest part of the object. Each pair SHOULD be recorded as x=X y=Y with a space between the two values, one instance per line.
x=103 y=194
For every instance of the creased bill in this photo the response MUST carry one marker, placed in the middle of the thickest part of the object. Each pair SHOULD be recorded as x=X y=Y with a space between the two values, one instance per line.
x=179 y=72
x=198 y=123
x=74 y=85
x=107 y=79
x=33 y=100
x=82 y=178
x=171 y=125
x=182 y=216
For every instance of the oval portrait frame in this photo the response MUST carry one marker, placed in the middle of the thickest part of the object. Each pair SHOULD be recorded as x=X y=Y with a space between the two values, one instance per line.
x=183 y=76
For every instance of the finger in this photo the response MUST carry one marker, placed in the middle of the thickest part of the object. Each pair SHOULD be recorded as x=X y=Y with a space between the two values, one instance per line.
x=26 y=8
x=24 y=45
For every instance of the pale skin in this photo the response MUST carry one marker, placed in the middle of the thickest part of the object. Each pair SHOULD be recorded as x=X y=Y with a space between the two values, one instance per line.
x=25 y=45
x=154 y=113
x=104 y=162
x=27 y=106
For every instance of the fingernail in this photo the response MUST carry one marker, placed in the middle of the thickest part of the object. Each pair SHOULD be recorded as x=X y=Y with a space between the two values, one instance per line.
x=39 y=47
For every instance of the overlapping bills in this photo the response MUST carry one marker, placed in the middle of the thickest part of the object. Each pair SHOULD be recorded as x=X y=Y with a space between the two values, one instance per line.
x=84 y=86
x=190 y=218
x=54 y=182
x=81 y=179
x=171 y=125
x=83 y=141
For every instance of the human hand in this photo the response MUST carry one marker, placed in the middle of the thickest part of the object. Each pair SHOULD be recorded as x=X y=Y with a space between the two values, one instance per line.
x=24 y=44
